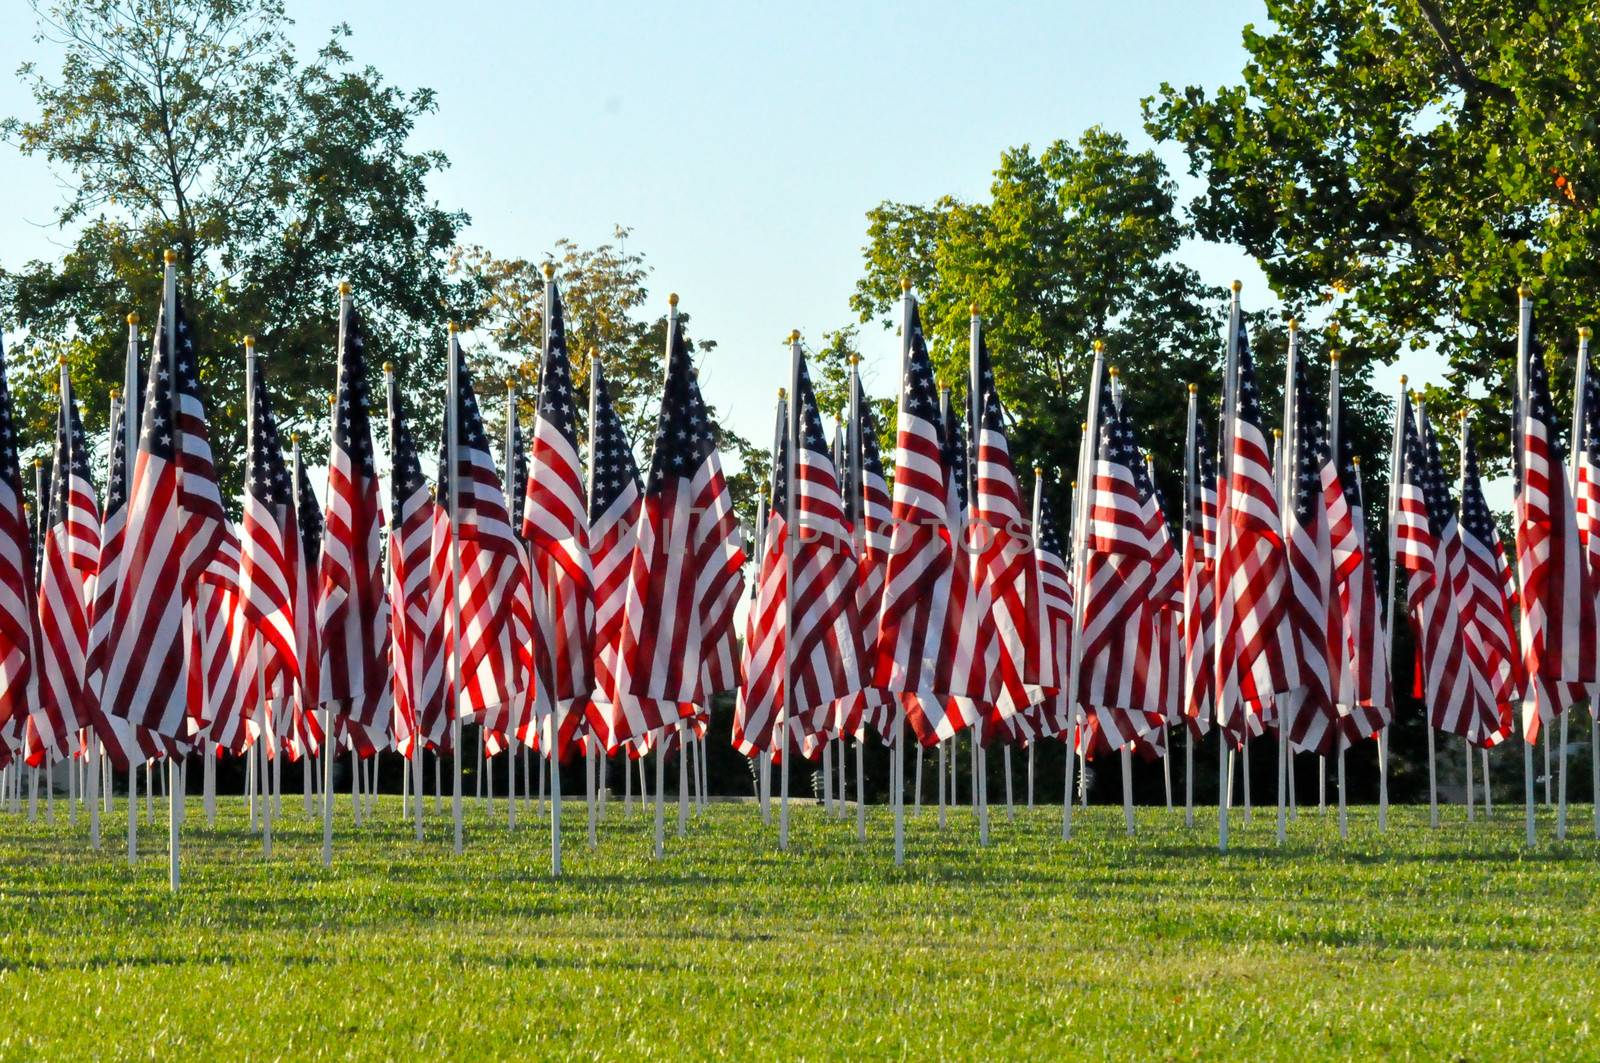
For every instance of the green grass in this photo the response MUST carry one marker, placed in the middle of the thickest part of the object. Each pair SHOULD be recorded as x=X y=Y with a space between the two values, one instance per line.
x=1415 y=943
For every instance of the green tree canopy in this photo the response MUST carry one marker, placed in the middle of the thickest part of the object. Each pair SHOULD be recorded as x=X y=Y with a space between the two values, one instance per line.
x=193 y=125
x=1408 y=164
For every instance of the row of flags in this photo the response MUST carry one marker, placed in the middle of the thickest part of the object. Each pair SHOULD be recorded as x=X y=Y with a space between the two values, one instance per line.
x=560 y=604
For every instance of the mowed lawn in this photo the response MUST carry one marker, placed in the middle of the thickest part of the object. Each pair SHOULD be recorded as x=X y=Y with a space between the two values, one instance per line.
x=1414 y=943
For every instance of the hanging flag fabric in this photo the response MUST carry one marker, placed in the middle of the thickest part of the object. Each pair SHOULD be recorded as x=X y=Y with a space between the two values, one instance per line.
x=921 y=655
x=1557 y=596
x=759 y=704
x=1005 y=575
x=870 y=515
x=71 y=562
x=1311 y=610
x=1489 y=592
x=1199 y=576
x=416 y=613
x=615 y=501
x=352 y=616
x=305 y=733
x=720 y=548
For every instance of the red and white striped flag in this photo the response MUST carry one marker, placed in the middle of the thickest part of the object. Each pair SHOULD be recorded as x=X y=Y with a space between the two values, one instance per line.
x=167 y=548
x=1455 y=679
x=271 y=563
x=491 y=667
x=305 y=731
x=760 y=697
x=1199 y=575
x=1254 y=653
x=1489 y=591
x=927 y=590
x=352 y=615
x=1558 y=633
x=1056 y=714
x=615 y=500
x=1586 y=481
x=677 y=570
x=866 y=493
x=1315 y=505
x=555 y=523
x=1130 y=575
x=1005 y=574
x=416 y=613
x=720 y=547
x=71 y=548
x=19 y=633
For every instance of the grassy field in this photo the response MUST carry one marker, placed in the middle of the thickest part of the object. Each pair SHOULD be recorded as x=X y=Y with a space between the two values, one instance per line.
x=1416 y=943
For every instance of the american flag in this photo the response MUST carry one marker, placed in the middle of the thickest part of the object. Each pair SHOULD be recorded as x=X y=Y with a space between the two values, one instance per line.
x=305 y=734
x=416 y=613
x=1128 y=578
x=1557 y=593
x=271 y=569
x=1586 y=486
x=1254 y=656
x=1489 y=591
x=1455 y=679
x=868 y=507
x=674 y=565
x=720 y=548
x=1199 y=574
x=1165 y=687
x=823 y=643
x=1005 y=575
x=760 y=698
x=615 y=500
x=1055 y=715
x=1317 y=505
x=1360 y=665
x=555 y=523
x=352 y=619
x=146 y=649
x=927 y=589
x=225 y=658
x=205 y=519
x=124 y=744
x=492 y=671
x=71 y=560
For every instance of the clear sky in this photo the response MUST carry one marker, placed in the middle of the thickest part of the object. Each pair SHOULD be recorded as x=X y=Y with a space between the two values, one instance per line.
x=742 y=143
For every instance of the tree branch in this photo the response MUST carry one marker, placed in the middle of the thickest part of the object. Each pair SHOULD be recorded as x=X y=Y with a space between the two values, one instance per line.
x=1469 y=82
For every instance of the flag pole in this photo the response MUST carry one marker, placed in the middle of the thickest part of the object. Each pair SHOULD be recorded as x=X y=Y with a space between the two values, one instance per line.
x=91 y=758
x=1524 y=338
x=514 y=507
x=856 y=506
x=1461 y=493
x=553 y=746
x=980 y=759
x=169 y=302
x=1230 y=402
x=1578 y=442
x=1334 y=401
x=1083 y=493
x=250 y=415
x=1433 y=775
x=897 y=788
x=329 y=743
x=414 y=768
x=790 y=518
x=1125 y=754
x=1287 y=456
x=1191 y=513
x=307 y=764
x=452 y=445
x=1391 y=592
x=132 y=410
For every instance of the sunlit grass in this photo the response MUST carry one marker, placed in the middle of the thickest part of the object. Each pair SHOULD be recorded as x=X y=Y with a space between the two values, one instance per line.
x=1456 y=942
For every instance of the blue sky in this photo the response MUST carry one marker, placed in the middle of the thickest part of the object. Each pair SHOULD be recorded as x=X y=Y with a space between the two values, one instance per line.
x=742 y=143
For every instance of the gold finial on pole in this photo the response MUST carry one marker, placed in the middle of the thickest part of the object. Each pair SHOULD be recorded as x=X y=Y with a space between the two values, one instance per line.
x=905 y=284
x=1236 y=286
x=1193 y=388
x=549 y=270
x=672 y=299
x=169 y=256
x=133 y=319
x=794 y=336
x=344 y=289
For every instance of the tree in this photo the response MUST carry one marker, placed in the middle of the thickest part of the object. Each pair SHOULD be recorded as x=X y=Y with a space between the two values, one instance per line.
x=192 y=125
x=1409 y=164
x=602 y=291
x=1075 y=244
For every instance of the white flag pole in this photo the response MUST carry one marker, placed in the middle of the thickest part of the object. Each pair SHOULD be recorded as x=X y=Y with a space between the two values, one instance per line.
x=130 y=443
x=250 y=413
x=1396 y=472
x=897 y=786
x=169 y=300
x=1287 y=461
x=553 y=744
x=1333 y=447
x=91 y=760
x=1230 y=402
x=330 y=745
x=1433 y=773
x=514 y=506
x=452 y=444
x=1083 y=494
x=1578 y=442
x=790 y=532
x=858 y=506
x=980 y=760
x=1191 y=508
x=1524 y=338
